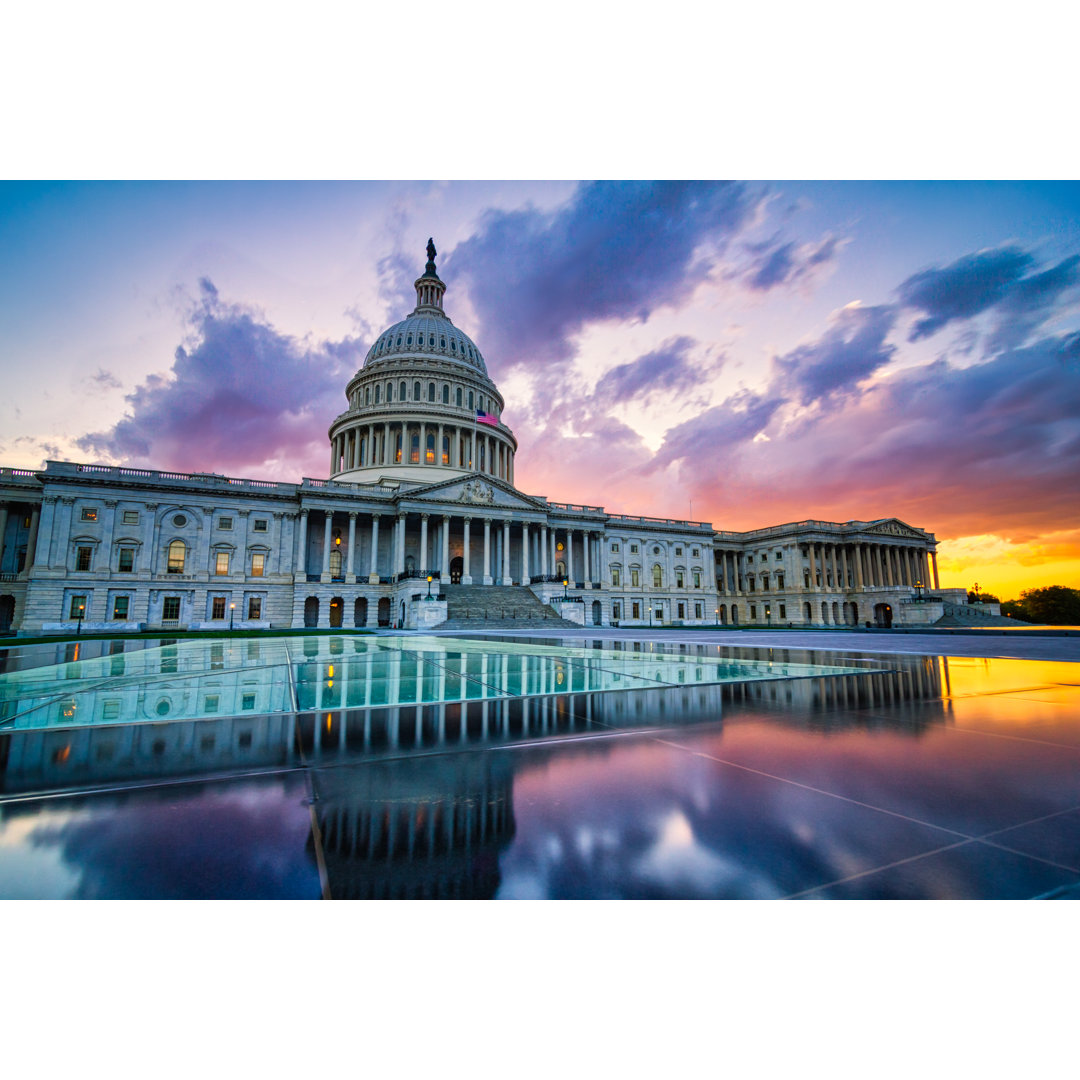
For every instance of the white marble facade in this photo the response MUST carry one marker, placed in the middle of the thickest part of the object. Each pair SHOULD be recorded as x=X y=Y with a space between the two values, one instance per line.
x=421 y=483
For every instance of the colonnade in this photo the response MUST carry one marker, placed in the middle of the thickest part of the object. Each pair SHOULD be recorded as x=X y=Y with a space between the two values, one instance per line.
x=419 y=442
x=6 y=509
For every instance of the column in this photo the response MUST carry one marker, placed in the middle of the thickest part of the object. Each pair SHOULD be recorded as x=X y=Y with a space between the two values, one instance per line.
x=438 y=447
x=506 y=552
x=475 y=466
x=444 y=557
x=933 y=556
x=813 y=567
x=3 y=529
x=585 y=538
x=301 y=554
x=386 y=454
x=424 y=561
x=551 y=541
x=858 y=567
x=350 y=574
x=544 y=551
x=326 y=545
x=399 y=548
x=835 y=568
x=487 y=538
x=31 y=542
x=525 y=553
x=373 y=573
x=570 y=556
x=466 y=572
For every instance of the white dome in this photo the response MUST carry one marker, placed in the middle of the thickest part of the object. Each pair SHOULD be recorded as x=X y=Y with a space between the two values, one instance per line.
x=426 y=335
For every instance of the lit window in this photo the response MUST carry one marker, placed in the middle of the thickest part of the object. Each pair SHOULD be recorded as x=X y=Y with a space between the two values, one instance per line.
x=414 y=449
x=89 y=513
x=429 y=450
x=82 y=558
x=254 y=608
x=335 y=564
x=120 y=608
x=446 y=450
x=260 y=525
x=258 y=563
x=170 y=608
x=221 y=563
x=217 y=610
x=127 y=560
x=78 y=606
x=397 y=452
x=131 y=517
x=657 y=576
x=225 y=524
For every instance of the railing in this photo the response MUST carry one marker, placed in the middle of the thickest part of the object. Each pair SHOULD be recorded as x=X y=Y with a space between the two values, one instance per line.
x=17 y=472
x=412 y=575
x=579 y=509
x=621 y=519
x=123 y=473
x=9 y=577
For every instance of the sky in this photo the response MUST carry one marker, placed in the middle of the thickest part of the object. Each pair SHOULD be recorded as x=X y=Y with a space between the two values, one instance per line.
x=745 y=353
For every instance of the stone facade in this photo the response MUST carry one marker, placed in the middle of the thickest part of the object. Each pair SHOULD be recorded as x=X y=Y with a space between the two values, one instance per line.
x=421 y=485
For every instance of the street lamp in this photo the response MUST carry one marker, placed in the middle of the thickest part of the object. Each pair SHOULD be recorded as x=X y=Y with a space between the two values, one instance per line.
x=232 y=611
x=918 y=591
x=566 y=581
x=79 y=619
x=429 y=586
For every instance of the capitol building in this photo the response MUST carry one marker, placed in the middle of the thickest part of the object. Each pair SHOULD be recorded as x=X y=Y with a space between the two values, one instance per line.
x=420 y=524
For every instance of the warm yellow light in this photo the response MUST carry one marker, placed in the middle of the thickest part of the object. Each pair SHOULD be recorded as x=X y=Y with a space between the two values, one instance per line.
x=337 y=540
x=429 y=578
x=558 y=547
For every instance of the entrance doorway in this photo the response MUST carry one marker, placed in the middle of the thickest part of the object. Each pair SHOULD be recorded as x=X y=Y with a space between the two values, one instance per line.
x=384 y=611
x=457 y=568
x=597 y=613
x=311 y=611
x=883 y=615
x=337 y=608
x=360 y=611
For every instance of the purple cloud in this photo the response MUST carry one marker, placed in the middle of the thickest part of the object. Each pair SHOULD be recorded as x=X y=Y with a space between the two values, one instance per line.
x=776 y=263
x=241 y=397
x=668 y=368
x=614 y=251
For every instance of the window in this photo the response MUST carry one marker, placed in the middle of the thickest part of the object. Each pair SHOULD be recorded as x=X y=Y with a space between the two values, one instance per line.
x=414 y=449
x=615 y=609
x=258 y=562
x=457 y=397
x=217 y=610
x=446 y=450
x=389 y=391
x=78 y=607
x=335 y=564
x=697 y=611
x=445 y=394
x=429 y=450
x=682 y=611
x=697 y=579
x=170 y=608
x=89 y=513
x=750 y=583
x=110 y=710
x=764 y=582
x=416 y=390
x=635 y=579
x=254 y=607
x=127 y=560
x=225 y=524
x=779 y=581
x=633 y=549
x=247 y=703
x=753 y=611
x=679 y=583
x=431 y=391
x=636 y=608
x=120 y=608
x=779 y=555
x=130 y=517
x=260 y=525
x=615 y=548
x=367 y=395
x=783 y=611
x=210 y=704
x=217 y=656
x=378 y=392
x=615 y=577
x=221 y=563
x=397 y=451
x=403 y=390
x=696 y=553
x=82 y=558
x=678 y=551
x=470 y=399
x=657 y=576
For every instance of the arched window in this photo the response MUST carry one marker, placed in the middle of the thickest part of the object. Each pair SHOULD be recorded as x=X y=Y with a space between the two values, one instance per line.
x=389 y=391
x=403 y=390
x=457 y=397
x=453 y=345
x=446 y=450
x=397 y=451
x=480 y=402
x=445 y=394
x=177 y=554
x=378 y=390
x=335 y=564
x=470 y=399
x=367 y=395
x=408 y=340
x=414 y=449
x=657 y=576
x=431 y=391
x=416 y=390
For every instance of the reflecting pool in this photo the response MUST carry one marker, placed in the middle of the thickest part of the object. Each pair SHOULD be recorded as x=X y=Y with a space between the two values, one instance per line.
x=407 y=767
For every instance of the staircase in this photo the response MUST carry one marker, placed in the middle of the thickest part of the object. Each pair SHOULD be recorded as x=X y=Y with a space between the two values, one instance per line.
x=969 y=615
x=498 y=607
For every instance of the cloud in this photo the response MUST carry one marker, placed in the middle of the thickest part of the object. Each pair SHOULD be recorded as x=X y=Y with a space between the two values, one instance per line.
x=240 y=397
x=852 y=349
x=993 y=279
x=668 y=368
x=775 y=263
x=102 y=382
x=614 y=251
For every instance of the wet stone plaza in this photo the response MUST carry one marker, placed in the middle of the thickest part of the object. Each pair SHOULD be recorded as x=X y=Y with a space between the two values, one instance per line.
x=401 y=766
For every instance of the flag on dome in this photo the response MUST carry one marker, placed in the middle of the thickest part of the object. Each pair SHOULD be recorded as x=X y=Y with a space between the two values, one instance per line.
x=486 y=418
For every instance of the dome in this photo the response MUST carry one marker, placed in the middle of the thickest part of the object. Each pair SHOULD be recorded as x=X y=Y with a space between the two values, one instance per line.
x=423 y=335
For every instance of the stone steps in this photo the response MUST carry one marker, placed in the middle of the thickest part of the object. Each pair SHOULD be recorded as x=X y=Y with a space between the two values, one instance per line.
x=472 y=607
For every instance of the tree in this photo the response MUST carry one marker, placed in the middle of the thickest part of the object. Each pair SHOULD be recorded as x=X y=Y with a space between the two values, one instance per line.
x=981 y=597
x=1054 y=605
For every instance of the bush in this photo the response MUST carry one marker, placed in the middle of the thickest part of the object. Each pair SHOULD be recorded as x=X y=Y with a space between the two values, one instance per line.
x=1054 y=605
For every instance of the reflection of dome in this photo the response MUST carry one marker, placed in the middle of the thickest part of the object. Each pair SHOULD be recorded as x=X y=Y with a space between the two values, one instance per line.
x=413 y=406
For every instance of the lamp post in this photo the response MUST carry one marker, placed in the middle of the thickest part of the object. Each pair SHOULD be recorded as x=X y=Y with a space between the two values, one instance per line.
x=79 y=619
x=566 y=581
x=716 y=616
x=429 y=586
x=918 y=591
x=232 y=611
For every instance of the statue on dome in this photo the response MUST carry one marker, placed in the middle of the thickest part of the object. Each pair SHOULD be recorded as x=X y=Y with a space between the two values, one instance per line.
x=429 y=270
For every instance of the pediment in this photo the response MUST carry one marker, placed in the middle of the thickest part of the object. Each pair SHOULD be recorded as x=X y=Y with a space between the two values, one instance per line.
x=482 y=492
x=895 y=527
